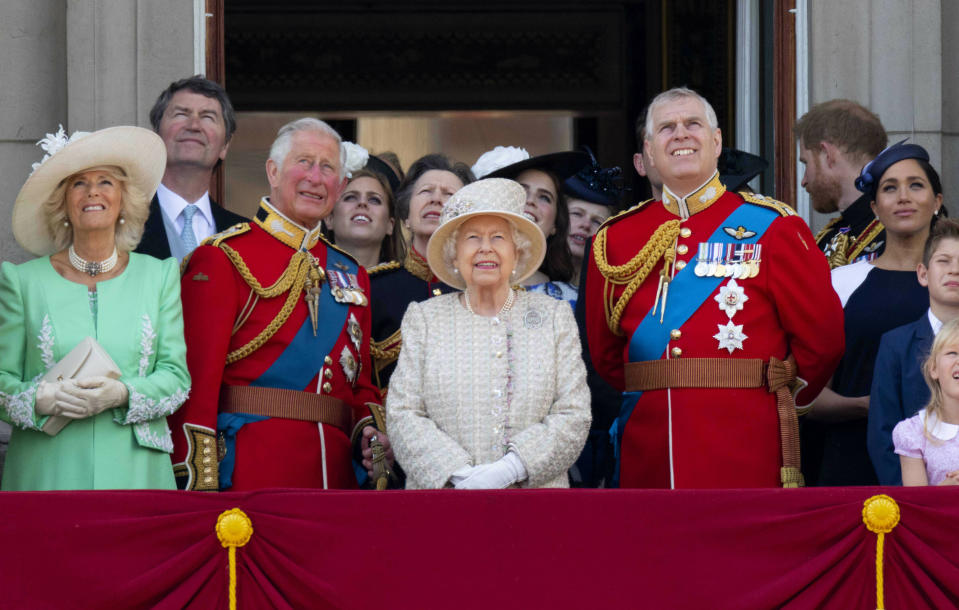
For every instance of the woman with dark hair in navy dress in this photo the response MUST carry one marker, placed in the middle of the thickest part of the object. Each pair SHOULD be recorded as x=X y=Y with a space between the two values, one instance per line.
x=877 y=296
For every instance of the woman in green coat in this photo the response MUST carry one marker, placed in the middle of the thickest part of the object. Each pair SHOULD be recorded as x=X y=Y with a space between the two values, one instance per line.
x=82 y=211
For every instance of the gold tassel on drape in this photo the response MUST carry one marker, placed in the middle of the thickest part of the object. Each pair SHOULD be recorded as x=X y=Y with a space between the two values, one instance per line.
x=880 y=514
x=233 y=528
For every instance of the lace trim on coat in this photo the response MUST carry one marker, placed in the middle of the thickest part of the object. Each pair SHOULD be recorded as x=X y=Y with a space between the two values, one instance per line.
x=143 y=409
x=148 y=438
x=147 y=337
x=45 y=344
x=20 y=406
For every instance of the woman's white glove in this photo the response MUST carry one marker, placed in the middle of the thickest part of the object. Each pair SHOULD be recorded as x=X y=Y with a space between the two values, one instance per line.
x=500 y=474
x=92 y=394
x=46 y=402
x=460 y=474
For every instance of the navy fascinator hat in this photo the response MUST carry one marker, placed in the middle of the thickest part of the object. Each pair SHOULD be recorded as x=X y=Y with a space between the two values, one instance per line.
x=595 y=184
x=868 y=179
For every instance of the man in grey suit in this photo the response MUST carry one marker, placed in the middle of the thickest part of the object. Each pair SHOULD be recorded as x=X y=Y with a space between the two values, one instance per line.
x=195 y=118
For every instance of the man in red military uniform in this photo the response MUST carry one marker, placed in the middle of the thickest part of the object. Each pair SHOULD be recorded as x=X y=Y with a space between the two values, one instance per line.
x=277 y=329
x=709 y=309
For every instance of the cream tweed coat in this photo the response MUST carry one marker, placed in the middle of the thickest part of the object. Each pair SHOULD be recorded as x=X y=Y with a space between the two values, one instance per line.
x=467 y=389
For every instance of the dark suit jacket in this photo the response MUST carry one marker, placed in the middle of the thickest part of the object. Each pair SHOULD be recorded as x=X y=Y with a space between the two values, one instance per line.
x=154 y=241
x=898 y=392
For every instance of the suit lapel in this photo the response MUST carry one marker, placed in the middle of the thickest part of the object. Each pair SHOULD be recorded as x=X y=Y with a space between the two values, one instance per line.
x=154 y=241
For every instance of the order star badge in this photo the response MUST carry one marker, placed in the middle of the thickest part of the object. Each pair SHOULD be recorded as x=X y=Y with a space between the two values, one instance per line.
x=731 y=298
x=730 y=336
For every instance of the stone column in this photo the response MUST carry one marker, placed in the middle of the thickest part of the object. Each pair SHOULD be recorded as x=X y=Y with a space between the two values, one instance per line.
x=888 y=56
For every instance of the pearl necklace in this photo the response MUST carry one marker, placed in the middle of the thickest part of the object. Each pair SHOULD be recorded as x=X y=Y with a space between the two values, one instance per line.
x=506 y=306
x=92 y=268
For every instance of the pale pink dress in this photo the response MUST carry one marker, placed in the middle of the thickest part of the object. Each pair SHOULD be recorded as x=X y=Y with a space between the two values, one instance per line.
x=940 y=454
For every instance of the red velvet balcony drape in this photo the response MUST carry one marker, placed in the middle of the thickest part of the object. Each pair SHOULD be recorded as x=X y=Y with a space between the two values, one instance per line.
x=499 y=549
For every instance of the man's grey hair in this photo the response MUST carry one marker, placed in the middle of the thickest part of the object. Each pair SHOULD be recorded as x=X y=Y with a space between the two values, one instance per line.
x=674 y=95
x=282 y=144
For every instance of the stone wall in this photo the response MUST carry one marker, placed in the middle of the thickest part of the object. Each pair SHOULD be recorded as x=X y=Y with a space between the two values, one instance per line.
x=889 y=56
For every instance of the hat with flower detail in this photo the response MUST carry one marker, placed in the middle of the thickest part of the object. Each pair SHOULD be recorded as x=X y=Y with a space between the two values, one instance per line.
x=139 y=152
x=498 y=197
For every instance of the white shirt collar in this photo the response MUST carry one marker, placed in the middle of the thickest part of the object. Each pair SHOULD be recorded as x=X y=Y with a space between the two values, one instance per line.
x=173 y=205
x=935 y=322
x=940 y=429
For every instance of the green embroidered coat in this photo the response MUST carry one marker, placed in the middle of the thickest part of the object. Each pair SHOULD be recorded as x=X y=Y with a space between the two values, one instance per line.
x=136 y=317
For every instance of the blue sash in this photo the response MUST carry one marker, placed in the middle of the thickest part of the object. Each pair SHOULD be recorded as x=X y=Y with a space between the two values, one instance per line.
x=299 y=363
x=687 y=293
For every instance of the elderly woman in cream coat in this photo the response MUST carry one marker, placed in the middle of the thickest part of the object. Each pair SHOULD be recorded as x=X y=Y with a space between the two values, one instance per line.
x=490 y=390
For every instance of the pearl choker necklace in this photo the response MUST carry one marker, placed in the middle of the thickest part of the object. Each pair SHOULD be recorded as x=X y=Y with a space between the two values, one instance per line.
x=93 y=268
x=506 y=306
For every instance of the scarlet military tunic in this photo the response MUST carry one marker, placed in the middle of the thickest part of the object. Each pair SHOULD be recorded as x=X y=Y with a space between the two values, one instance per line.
x=223 y=314
x=702 y=438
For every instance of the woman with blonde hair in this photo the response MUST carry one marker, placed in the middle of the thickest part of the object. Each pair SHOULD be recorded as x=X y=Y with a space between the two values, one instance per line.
x=93 y=356
x=927 y=442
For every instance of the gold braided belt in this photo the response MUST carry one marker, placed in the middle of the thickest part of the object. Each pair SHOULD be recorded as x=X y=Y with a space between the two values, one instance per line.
x=634 y=272
x=777 y=376
x=302 y=267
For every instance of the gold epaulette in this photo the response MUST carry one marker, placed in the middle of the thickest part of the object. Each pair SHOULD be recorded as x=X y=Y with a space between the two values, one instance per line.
x=626 y=212
x=768 y=202
x=215 y=239
x=384 y=267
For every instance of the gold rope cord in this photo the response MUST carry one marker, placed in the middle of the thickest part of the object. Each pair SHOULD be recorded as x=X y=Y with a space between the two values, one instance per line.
x=634 y=272
x=838 y=257
x=285 y=281
x=292 y=278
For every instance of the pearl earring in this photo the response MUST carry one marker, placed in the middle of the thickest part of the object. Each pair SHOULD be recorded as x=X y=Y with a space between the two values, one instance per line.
x=456 y=271
x=122 y=220
x=66 y=223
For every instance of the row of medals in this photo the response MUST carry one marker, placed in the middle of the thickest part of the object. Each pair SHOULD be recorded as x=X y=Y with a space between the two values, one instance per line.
x=726 y=267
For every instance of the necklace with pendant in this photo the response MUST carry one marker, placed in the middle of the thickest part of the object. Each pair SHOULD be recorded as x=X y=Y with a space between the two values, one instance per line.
x=92 y=268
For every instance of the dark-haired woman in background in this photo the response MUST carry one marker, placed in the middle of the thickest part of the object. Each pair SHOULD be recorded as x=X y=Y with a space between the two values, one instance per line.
x=429 y=183
x=877 y=296
x=363 y=221
x=542 y=177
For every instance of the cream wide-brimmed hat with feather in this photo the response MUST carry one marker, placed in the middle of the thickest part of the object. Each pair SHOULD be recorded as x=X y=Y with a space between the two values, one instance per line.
x=498 y=197
x=139 y=152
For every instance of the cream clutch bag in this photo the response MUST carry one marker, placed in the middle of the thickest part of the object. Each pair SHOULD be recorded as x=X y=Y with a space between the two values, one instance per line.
x=87 y=359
